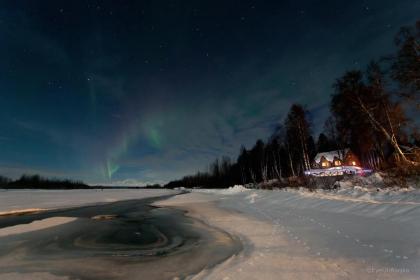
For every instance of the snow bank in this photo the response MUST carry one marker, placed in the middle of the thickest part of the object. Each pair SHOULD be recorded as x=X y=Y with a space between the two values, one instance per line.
x=231 y=190
x=35 y=225
x=364 y=189
x=372 y=188
x=236 y=189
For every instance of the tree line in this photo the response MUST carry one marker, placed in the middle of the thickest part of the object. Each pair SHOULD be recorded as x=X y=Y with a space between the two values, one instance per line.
x=38 y=182
x=368 y=114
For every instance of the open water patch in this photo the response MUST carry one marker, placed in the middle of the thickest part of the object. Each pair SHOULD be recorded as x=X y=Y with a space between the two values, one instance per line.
x=119 y=240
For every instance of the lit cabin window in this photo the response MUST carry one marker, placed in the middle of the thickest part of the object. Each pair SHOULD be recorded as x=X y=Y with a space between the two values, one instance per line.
x=353 y=163
x=337 y=162
x=324 y=164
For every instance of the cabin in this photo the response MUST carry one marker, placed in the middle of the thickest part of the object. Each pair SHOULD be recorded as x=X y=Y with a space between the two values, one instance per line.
x=335 y=158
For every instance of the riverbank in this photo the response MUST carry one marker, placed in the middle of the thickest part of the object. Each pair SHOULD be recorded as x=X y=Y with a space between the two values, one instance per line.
x=29 y=200
x=276 y=245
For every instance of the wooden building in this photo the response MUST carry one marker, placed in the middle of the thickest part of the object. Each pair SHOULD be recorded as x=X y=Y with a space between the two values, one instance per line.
x=335 y=159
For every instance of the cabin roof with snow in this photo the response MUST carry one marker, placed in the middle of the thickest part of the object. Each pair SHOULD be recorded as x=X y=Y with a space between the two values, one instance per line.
x=340 y=154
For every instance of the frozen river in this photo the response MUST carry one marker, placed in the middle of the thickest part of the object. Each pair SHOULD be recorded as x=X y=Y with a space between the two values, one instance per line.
x=109 y=240
x=291 y=234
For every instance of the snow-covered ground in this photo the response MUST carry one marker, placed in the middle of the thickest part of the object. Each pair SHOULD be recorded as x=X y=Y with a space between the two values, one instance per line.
x=36 y=225
x=377 y=232
x=31 y=200
x=371 y=189
x=354 y=232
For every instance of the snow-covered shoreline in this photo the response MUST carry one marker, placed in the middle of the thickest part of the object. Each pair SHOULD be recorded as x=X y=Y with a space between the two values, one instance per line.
x=361 y=228
x=290 y=236
x=36 y=225
x=25 y=200
x=373 y=188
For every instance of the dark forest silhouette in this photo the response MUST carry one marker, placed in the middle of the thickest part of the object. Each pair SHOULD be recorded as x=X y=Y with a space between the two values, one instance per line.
x=38 y=182
x=368 y=115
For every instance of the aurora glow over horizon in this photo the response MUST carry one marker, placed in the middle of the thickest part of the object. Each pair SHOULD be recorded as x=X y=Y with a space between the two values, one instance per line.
x=147 y=91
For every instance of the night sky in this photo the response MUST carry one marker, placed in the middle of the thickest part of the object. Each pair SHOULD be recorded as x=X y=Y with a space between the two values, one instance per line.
x=135 y=92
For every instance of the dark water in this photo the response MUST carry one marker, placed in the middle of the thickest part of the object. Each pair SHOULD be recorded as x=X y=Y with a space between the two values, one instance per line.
x=121 y=240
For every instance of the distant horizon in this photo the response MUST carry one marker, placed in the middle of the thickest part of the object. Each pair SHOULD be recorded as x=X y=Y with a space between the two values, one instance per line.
x=125 y=183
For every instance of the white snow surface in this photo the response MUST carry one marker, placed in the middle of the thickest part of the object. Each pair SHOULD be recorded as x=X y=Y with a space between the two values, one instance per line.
x=380 y=230
x=231 y=190
x=21 y=200
x=377 y=232
x=406 y=196
x=35 y=225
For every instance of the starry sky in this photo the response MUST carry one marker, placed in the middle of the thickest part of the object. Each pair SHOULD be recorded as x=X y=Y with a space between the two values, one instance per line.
x=137 y=92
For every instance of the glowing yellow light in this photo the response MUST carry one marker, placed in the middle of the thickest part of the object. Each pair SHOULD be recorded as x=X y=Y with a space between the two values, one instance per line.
x=337 y=162
x=353 y=163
